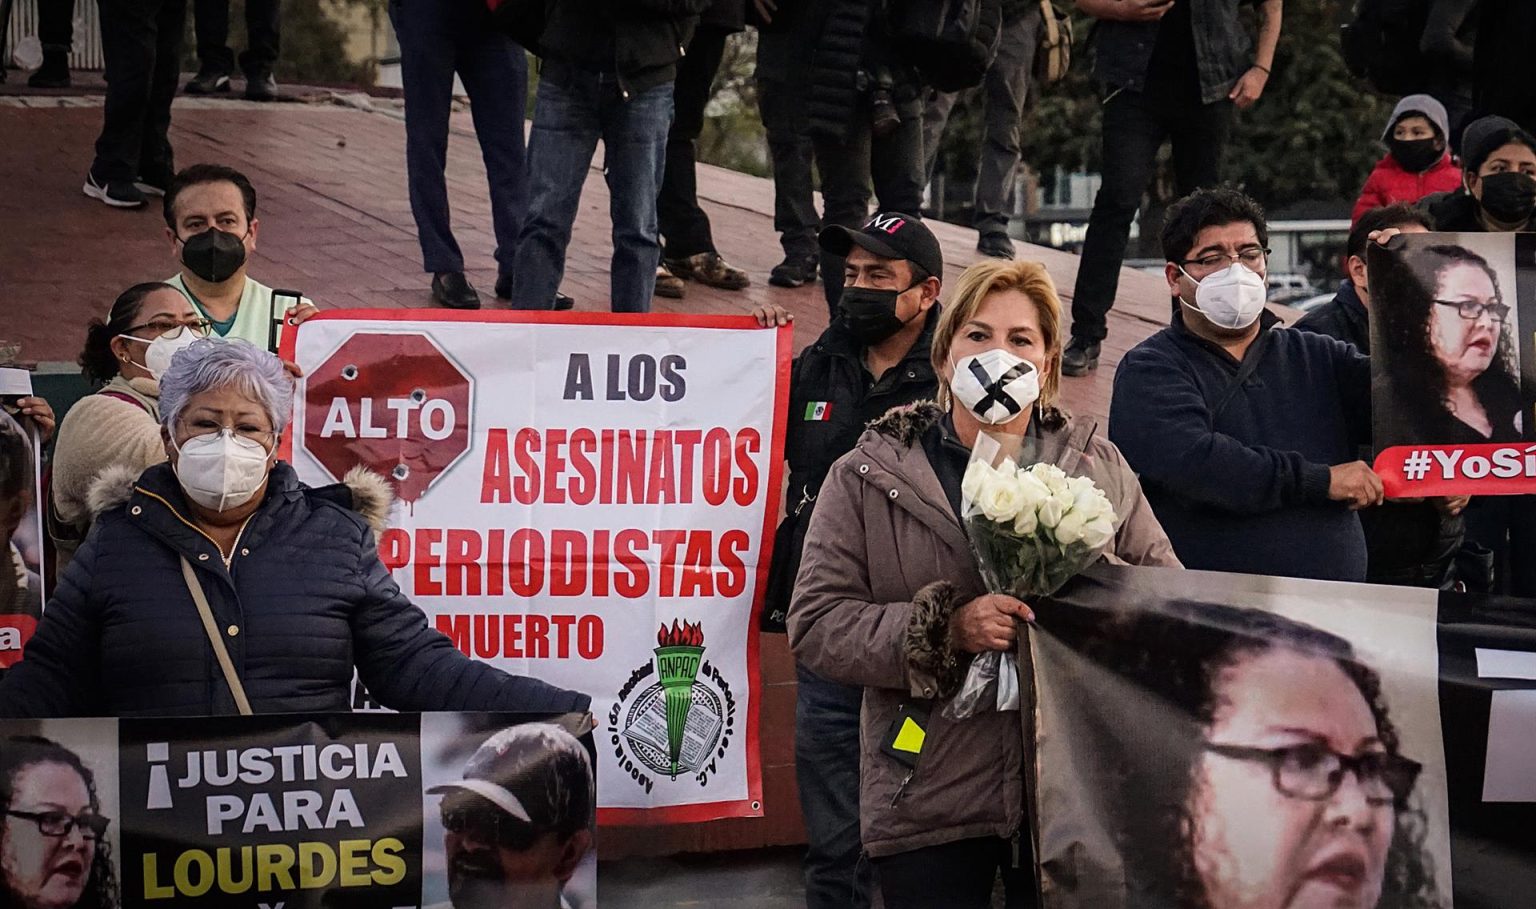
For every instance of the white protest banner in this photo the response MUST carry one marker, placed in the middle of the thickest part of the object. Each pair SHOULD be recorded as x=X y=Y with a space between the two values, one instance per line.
x=584 y=498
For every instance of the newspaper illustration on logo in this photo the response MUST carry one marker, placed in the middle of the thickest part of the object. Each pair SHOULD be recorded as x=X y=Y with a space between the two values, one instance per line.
x=683 y=722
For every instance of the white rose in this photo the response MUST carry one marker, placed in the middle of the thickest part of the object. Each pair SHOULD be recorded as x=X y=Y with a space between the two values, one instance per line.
x=1080 y=485
x=1051 y=511
x=1000 y=498
x=1054 y=479
x=1070 y=528
x=1091 y=503
x=1098 y=533
x=1027 y=522
x=1035 y=491
x=976 y=476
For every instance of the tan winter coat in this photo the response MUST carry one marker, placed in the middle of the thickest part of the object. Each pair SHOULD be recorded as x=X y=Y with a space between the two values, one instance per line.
x=886 y=563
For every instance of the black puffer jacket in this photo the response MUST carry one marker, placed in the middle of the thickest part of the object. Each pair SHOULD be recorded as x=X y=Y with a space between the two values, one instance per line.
x=304 y=601
x=640 y=40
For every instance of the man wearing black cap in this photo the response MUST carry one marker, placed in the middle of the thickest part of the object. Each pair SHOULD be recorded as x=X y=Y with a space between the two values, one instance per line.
x=520 y=822
x=874 y=356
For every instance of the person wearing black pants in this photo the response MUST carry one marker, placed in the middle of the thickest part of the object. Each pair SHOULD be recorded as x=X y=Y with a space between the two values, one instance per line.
x=688 y=247
x=782 y=89
x=437 y=39
x=141 y=41
x=960 y=873
x=1169 y=70
x=56 y=30
x=216 y=62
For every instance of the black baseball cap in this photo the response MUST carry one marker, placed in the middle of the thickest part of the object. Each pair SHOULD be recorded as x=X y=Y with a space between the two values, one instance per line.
x=536 y=772
x=889 y=235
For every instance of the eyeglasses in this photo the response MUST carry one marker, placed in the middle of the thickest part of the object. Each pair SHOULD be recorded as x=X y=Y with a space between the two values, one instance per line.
x=59 y=823
x=1252 y=256
x=172 y=330
x=1313 y=772
x=1472 y=310
x=490 y=824
x=203 y=426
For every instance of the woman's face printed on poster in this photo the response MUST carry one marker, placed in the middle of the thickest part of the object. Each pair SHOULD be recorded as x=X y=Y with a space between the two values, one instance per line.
x=1275 y=823
x=40 y=870
x=1465 y=322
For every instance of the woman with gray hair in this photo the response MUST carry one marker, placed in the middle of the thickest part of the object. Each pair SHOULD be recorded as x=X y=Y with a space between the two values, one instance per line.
x=218 y=583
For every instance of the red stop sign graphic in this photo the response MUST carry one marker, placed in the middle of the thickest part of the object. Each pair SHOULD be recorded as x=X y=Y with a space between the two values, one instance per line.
x=394 y=403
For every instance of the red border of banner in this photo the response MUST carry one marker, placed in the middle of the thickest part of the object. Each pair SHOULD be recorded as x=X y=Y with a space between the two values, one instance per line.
x=752 y=805
x=1391 y=466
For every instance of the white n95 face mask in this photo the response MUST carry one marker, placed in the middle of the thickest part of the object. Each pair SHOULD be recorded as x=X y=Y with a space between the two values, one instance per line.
x=995 y=385
x=1230 y=298
x=221 y=470
x=157 y=357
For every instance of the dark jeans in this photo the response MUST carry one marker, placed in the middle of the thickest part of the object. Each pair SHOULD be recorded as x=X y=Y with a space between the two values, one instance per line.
x=434 y=44
x=958 y=875
x=1135 y=126
x=782 y=105
x=56 y=24
x=574 y=109
x=141 y=41
x=1006 y=90
x=893 y=163
x=211 y=25
x=1507 y=525
x=684 y=226
x=827 y=771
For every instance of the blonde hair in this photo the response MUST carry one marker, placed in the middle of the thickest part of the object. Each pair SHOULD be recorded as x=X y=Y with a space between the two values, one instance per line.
x=993 y=276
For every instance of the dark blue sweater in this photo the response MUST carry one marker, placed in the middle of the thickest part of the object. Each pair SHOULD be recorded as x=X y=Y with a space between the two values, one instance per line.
x=1247 y=491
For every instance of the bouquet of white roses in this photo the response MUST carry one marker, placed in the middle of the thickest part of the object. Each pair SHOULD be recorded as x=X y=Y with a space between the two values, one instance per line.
x=1032 y=529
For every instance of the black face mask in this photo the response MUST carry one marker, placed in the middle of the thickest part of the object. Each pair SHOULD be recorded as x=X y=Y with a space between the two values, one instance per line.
x=870 y=314
x=1415 y=155
x=213 y=255
x=1510 y=197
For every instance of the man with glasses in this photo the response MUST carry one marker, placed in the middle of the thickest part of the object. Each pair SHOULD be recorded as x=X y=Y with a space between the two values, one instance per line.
x=1246 y=435
x=520 y=822
x=211 y=223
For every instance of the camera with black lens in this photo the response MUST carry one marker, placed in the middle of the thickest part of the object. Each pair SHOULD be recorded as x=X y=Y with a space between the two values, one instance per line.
x=880 y=84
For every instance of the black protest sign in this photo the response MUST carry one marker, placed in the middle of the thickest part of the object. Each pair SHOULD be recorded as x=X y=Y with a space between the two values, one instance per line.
x=272 y=811
x=1215 y=741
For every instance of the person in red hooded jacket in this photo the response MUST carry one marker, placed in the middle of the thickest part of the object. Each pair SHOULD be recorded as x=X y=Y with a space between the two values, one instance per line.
x=1416 y=163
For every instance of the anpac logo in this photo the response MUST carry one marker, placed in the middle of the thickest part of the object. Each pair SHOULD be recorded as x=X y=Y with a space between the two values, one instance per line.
x=394 y=403
x=681 y=724
x=15 y=631
x=888 y=223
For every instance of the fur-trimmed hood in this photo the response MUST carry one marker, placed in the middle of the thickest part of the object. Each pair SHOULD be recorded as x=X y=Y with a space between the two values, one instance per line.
x=361 y=490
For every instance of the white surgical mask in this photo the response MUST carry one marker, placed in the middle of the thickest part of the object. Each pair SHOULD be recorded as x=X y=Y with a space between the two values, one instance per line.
x=221 y=470
x=157 y=357
x=995 y=385
x=1231 y=298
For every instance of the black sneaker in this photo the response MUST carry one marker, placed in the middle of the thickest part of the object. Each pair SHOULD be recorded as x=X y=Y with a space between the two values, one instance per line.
x=260 y=87
x=996 y=245
x=563 y=302
x=153 y=185
x=1080 y=358
x=116 y=193
x=206 y=82
x=54 y=73
x=794 y=271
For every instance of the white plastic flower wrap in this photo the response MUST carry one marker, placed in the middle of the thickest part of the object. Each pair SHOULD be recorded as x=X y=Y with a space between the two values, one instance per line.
x=1033 y=527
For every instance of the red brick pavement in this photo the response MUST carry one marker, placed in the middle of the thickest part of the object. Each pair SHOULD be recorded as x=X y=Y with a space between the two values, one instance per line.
x=336 y=223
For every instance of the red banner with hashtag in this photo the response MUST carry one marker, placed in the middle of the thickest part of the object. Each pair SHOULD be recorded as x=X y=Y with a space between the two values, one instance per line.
x=1410 y=471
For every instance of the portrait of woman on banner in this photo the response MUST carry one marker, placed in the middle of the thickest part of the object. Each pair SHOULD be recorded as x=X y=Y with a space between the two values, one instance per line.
x=1446 y=371
x=1274 y=776
x=53 y=848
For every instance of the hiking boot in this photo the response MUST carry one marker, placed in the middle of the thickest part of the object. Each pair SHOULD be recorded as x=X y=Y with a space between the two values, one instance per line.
x=1080 y=358
x=54 y=73
x=794 y=271
x=260 y=86
x=709 y=269
x=996 y=245
x=116 y=193
x=206 y=82
x=668 y=285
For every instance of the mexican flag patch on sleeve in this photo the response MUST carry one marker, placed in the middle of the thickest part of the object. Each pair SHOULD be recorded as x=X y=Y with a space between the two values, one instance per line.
x=818 y=411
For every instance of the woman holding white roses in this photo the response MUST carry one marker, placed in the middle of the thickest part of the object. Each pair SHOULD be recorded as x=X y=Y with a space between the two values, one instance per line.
x=889 y=596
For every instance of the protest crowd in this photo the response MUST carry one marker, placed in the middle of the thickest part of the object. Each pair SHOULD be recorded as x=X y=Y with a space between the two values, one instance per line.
x=192 y=573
